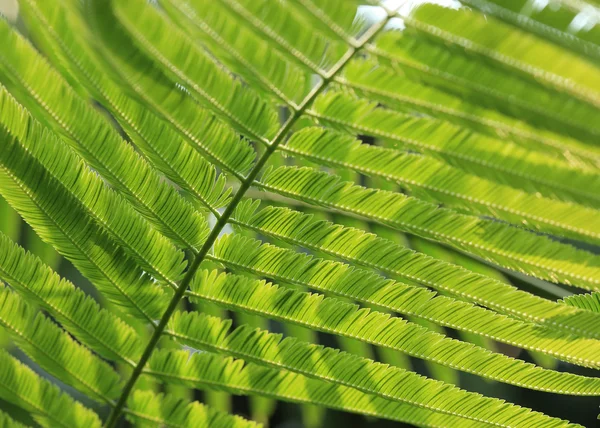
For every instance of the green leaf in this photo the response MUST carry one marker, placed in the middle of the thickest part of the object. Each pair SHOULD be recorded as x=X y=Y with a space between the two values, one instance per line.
x=278 y=24
x=204 y=370
x=374 y=81
x=95 y=327
x=423 y=60
x=34 y=193
x=368 y=288
x=139 y=77
x=180 y=58
x=55 y=351
x=341 y=368
x=589 y=302
x=496 y=160
x=552 y=22
x=96 y=140
x=146 y=408
x=240 y=49
x=180 y=162
x=429 y=179
x=86 y=189
x=7 y=422
x=498 y=243
x=511 y=49
x=335 y=317
x=369 y=250
x=49 y=406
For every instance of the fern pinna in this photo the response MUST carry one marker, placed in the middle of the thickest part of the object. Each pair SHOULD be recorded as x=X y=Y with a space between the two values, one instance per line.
x=244 y=181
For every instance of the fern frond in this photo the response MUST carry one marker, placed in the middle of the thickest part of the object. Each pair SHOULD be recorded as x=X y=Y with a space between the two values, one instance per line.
x=551 y=22
x=180 y=58
x=499 y=243
x=59 y=220
x=55 y=351
x=240 y=49
x=377 y=82
x=205 y=370
x=95 y=327
x=512 y=49
x=57 y=105
x=482 y=83
x=496 y=160
x=167 y=99
x=428 y=179
x=85 y=188
x=382 y=255
x=56 y=26
x=279 y=25
x=341 y=368
x=370 y=289
x=333 y=316
x=138 y=76
x=48 y=405
x=339 y=18
x=262 y=409
x=147 y=409
x=7 y=422
x=589 y=302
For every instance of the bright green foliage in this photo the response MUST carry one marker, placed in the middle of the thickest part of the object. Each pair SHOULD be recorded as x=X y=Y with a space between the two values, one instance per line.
x=48 y=405
x=431 y=180
x=86 y=188
x=589 y=302
x=384 y=84
x=493 y=241
x=7 y=422
x=549 y=64
x=501 y=161
x=372 y=251
x=148 y=409
x=78 y=313
x=552 y=23
x=336 y=317
x=98 y=142
x=231 y=375
x=240 y=253
x=347 y=168
x=54 y=350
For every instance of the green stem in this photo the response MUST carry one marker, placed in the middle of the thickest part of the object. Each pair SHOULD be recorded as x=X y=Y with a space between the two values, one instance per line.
x=224 y=218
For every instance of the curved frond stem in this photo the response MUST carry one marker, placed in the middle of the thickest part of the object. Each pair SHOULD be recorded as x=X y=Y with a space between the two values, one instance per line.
x=327 y=78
